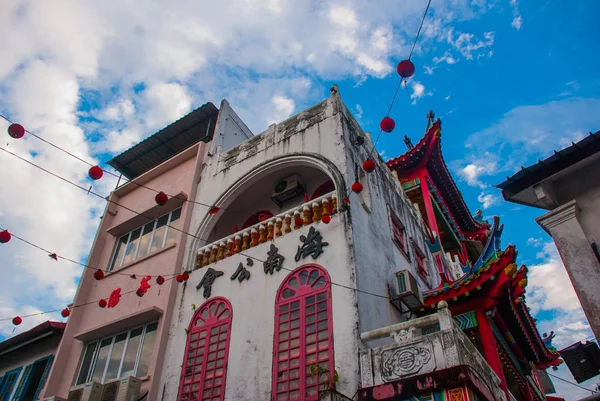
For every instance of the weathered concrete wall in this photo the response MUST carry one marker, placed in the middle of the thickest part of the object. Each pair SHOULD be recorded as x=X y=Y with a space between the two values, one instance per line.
x=360 y=254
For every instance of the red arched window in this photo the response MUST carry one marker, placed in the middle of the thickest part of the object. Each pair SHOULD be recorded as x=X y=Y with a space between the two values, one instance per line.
x=323 y=189
x=257 y=218
x=205 y=360
x=303 y=334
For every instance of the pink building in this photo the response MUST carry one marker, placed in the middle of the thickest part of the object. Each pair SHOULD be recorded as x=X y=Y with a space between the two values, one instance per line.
x=139 y=238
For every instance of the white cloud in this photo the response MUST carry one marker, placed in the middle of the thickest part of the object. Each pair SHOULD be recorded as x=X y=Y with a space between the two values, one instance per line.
x=474 y=170
x=445 y=58
x=469 y=46
x=418 y=91
x=488 y=200
x=359 y=112
x=96 y=77
x=284 y=107
x=517 y=21
x=535 y=242
x=549 y=285
x=532 y=132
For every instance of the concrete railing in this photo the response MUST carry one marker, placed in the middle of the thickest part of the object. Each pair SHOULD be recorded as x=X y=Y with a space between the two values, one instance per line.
x=308 y=213
x=413 y=353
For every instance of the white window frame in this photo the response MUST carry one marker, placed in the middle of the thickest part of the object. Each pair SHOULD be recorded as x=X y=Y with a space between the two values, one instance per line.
x=113 y=263
x=92 y=366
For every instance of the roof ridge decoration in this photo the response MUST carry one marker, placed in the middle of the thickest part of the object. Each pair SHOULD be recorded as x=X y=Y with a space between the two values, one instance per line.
x=427 y=152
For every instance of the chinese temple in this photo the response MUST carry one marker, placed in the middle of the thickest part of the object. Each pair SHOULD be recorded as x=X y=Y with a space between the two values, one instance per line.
x=480 y=281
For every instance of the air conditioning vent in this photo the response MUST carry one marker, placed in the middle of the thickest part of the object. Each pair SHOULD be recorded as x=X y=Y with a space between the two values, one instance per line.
x=406 y=290
x=86 y=392
x=127 y=389
x=286 y=189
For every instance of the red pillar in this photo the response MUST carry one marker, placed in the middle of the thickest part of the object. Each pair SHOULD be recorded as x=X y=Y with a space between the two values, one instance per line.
x=490 y=352
x=428 y=205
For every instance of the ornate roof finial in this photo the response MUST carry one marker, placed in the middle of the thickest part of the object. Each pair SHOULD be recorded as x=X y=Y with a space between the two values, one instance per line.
x=430 y=116
x=334 y=89
x=408 y=142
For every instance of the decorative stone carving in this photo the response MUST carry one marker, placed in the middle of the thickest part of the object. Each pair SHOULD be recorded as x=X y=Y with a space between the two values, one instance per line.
x=366 y=369
x=404 y=336
x=408 y=360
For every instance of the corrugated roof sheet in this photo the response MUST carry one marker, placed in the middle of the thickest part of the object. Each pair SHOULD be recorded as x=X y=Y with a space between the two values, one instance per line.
x=199 y=125
x=543 y=169
x=46 y=327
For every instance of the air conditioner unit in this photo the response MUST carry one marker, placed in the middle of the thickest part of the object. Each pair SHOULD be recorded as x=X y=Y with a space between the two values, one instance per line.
x=406 y=290
x=286 y=189
x=54 y=398
x=127 y=389
x=86 y=392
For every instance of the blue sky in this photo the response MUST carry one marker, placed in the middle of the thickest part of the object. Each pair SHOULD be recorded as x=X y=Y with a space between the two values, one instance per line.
x=511 y=80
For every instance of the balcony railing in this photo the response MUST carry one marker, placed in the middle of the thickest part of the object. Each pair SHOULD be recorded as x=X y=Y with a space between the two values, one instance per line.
x=415 y=354
x=265 y=231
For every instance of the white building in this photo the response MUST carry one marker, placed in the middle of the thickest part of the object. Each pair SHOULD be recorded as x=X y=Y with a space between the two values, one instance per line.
x=255 y=335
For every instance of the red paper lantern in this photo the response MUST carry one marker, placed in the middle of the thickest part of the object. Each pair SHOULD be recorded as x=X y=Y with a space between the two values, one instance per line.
x=179 y=278
x=161 y=198
x=357 y=187
x=299 y=222
x=369 y=165
x=65 y=312
x=95 y=173
x=214 y=210
x=17 y=320
x=160 y=280
x=4 y=237
x=139 y=292
x=326 y=219
x=346 y=200
x=98 y=274
x=102 y=303
x=406 y=68
x=16 y=131
x=186 y=276
x=387 y=125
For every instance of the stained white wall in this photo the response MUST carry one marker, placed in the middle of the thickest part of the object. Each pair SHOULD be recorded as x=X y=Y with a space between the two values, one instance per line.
x=360 y=254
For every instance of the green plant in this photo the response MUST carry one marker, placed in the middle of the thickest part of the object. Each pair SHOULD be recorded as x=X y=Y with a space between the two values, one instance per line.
x=194 y=307
x=332 y=380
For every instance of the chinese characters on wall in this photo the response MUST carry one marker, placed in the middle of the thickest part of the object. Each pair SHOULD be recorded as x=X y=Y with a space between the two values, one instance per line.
x=311 y=245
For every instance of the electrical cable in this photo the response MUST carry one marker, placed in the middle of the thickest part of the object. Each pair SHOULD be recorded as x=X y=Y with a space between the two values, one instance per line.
x=402 y=79
x=104 y=170
x=571 y=383
x=150 y=219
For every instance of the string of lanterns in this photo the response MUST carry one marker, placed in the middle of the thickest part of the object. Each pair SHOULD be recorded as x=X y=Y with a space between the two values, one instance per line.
x=95 y=173
x=405 y=69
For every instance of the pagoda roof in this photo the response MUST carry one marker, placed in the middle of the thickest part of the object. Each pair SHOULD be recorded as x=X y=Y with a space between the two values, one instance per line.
x=428 y=153
x=498 y=283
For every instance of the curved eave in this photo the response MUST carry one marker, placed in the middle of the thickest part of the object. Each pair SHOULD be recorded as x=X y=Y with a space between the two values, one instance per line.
x=428 y=152
x=499 y=270
x=547 y=357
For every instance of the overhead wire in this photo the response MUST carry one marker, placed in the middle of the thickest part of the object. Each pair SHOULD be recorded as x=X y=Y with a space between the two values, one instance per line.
x=89 y=191
x=133 y=182
x=150 y=218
